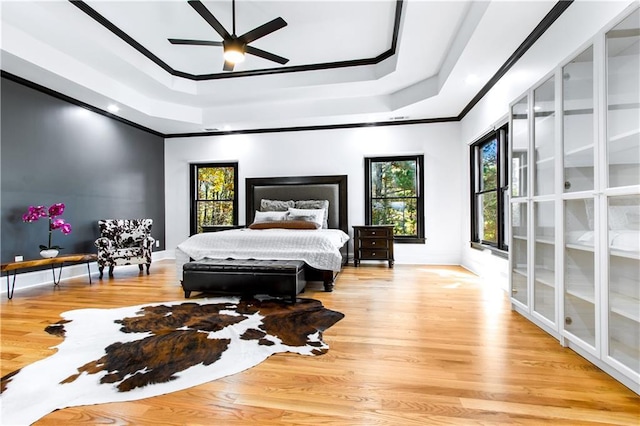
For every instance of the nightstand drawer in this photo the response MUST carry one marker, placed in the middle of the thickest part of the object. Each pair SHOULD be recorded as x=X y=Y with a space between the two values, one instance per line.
x=374 y=254
x=374 y=243
x=379 y=233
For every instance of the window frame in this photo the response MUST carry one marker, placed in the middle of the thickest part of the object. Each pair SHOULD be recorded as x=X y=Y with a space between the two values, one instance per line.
x=420 y=222
x=193 y=192
x=501 y=246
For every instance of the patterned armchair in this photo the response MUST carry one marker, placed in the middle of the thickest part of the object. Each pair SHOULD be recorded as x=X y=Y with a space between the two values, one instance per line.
x=124 y=242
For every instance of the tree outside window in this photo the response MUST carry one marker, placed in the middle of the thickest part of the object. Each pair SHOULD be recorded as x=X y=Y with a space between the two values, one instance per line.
x=394 y=195
x=213 y=195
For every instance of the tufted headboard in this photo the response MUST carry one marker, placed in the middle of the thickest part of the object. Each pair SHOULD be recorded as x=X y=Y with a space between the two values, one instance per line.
x=332 y=188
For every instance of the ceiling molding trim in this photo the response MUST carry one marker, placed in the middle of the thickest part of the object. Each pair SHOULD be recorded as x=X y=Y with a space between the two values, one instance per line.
x=318 y=127
x=560 y=7
x=61 y=96
x=236 y=74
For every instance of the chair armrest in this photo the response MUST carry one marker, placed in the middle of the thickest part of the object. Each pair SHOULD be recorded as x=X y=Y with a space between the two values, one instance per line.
x=103 y=243
x=148 y=242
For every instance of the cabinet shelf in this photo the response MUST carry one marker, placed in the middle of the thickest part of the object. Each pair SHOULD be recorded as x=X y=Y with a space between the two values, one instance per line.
x=579 y=157
x=581 y=292
x=622 y=253
x=580 y=247
x=623 y=148
x=520 y=270
x=518 y=237
x=545 y=160
x=628 y=307
x=545 y=240
x=625 y=135
x=545 y=276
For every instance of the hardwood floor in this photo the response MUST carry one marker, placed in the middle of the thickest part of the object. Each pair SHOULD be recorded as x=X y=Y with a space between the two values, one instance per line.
x=418 y=346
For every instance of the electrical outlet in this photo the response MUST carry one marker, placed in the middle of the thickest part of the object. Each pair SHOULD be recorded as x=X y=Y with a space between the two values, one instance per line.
x=18 y=259
x=157 y=243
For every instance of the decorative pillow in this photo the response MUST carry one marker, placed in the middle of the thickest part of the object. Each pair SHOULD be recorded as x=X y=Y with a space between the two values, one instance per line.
x=270 y=216
x=275 y=205
x=316 y=205
x=285 y=224
x=317 y=214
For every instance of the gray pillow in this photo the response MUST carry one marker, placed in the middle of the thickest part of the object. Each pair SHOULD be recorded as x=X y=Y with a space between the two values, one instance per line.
x=316 y=204
x=275 y=205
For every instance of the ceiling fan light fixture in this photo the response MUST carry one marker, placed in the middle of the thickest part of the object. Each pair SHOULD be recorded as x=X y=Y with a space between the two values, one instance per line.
x=234 y=51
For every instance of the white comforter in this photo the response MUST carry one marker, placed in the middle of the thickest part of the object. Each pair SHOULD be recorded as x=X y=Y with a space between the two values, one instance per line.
x=319 y=248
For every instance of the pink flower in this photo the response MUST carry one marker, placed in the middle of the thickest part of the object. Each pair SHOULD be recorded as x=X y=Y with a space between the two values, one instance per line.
x=66 y=228
x=30 y=217
x=36 y=212
x=56 y=209
x=57 y=223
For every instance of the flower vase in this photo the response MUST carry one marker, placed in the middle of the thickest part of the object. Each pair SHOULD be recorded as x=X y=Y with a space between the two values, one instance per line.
x=49 y=253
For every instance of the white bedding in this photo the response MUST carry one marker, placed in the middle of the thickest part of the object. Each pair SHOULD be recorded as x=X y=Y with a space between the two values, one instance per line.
x=318 y=248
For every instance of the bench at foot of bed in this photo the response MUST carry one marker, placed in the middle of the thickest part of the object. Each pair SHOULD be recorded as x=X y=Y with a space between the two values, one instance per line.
x=244 y=277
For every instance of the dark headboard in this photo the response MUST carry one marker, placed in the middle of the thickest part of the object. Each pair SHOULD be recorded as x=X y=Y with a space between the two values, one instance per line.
x=332 y=188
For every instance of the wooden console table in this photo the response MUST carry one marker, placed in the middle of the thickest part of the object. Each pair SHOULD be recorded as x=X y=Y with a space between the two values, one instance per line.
x=60 y=260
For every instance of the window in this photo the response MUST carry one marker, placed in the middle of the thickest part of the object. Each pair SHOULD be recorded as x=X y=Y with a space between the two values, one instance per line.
x=213 y=195
x=489 y=184
x=394 y=195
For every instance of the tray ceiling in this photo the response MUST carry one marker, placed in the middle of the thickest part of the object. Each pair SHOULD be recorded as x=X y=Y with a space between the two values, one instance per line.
x=349 y=61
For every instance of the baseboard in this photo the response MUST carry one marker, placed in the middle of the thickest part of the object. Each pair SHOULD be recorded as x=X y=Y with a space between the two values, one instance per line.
x=45 y=276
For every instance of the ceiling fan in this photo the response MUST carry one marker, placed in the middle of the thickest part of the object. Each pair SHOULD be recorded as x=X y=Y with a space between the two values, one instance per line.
x=235 y=46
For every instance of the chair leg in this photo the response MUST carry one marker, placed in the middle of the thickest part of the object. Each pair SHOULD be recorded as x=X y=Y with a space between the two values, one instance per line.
x=101 y=269
x=148 y=266
x=140 y=266
x=111 y=271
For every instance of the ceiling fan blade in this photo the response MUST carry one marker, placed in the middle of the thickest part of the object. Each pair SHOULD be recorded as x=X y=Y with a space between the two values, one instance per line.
x=194 y=42
x=228 y=66
x=263 y=30
x=266 y=55
x=211 y=20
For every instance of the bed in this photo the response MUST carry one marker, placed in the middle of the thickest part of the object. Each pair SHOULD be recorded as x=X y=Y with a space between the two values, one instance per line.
x=324 y=250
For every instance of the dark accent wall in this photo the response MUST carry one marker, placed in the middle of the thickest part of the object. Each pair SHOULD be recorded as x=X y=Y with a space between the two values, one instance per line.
x=54 y=151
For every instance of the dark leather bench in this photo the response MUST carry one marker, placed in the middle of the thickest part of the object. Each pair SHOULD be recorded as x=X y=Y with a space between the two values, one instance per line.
x=244 y=277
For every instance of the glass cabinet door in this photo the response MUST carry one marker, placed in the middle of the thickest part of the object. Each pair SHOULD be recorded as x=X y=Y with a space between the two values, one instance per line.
x=519 y=252
x=579 y=272
x=623 y=217
x=519 y=147
x=623 y=102
x=544 y=138
x=544 y=282
x=578 y=122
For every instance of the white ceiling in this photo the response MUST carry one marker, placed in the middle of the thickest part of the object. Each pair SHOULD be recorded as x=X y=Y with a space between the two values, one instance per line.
x=446 y=52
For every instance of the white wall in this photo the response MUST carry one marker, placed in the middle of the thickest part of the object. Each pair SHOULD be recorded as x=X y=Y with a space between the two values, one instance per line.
x=568 y=36
x=333 y=152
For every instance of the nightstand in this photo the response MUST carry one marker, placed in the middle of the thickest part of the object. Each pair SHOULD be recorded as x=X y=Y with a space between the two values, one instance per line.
x=373 y=242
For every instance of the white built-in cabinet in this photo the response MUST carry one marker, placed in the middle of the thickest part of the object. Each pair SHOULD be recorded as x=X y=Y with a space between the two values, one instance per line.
x=575 y=201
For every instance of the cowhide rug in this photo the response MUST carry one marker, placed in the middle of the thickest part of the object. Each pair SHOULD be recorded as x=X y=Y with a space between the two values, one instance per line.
x=136 y=352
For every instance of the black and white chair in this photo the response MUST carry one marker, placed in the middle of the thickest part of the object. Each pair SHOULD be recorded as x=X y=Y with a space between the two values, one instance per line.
x=124 y=242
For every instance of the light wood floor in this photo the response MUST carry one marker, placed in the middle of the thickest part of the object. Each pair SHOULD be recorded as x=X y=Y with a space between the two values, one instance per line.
x=418 y=346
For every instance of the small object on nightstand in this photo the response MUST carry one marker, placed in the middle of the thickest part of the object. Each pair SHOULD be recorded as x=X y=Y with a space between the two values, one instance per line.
x=373 y=242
